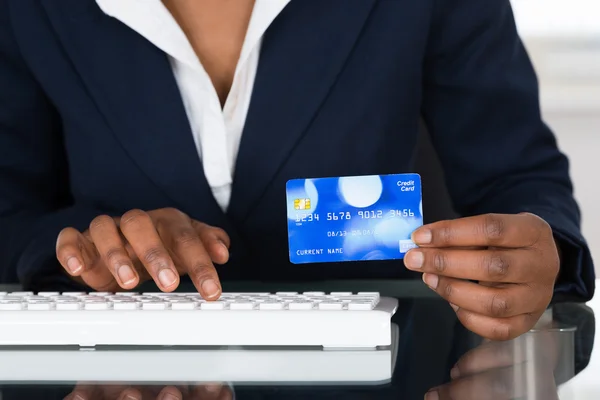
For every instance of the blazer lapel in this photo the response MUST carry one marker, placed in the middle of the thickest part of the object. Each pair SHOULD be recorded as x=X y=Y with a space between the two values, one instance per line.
x=133 y=86
x=302 y=53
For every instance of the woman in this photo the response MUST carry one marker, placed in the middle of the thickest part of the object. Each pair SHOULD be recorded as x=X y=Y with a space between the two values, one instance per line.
x=152 y=140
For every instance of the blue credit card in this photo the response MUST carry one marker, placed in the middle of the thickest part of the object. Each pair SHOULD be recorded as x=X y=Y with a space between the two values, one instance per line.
x=353 y=218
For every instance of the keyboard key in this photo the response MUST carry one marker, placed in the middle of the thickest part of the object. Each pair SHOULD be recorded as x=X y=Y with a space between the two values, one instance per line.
x=360 y=306
x=101 y=294
x=301 y=305
x=126 y=305
x=369 y=294
x=328 y=305
x=74 y=294
x=155 y=305
x=271 y=306
x=184 y=305
x=242 y=306
x=119 y=297
x=48 y=294
x=348 y=299
x=144 y=299
x=213 y=305
x=22 y=294
x=10 y=297
x=11 y=305
x=94 y=303
x=40 y=305
x=69 y=305
x=314 y=294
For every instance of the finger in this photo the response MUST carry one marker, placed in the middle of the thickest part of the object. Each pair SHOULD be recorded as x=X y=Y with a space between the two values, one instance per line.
x=69 y=250
x=498 y=230
x=139 y=230
x=107 y=238
x=489 y=356
x=216 y=241
x=226 y=394
x=78 y=255
x=170 y=393
x=496 y=265
x=130 y=394
x=83 y=392
x=212 y=391
x=496 y=302
x=188 y=249
x=499 y=329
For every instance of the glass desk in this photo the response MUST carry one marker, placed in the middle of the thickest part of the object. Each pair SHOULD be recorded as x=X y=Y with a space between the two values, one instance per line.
x=553 y=361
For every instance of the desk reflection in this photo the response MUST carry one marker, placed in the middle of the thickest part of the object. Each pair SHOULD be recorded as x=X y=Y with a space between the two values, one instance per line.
x=524 y=368
x=105 y=392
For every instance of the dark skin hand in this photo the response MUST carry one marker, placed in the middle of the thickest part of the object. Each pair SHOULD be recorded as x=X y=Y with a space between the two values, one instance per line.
x=125 y=392
x=497 y=271
x=505 y=370
x=118 y=253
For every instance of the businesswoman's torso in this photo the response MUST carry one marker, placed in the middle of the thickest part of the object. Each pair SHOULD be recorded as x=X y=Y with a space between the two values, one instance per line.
x=322 y=88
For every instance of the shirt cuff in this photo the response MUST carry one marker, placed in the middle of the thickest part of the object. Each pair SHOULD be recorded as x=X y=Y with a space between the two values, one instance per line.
x=576 y=279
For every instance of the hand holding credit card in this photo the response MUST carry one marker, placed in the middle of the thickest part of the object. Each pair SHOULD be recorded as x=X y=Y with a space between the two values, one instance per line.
x=353 y=218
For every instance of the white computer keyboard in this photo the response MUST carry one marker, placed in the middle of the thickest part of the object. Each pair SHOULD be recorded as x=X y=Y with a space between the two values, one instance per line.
x=332 y=320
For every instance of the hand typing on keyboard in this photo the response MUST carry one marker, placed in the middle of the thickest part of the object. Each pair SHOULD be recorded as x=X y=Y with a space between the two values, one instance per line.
x=182 y=392
x=121 y=252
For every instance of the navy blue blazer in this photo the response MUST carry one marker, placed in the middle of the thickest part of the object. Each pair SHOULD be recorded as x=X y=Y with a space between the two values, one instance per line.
x=91 y=122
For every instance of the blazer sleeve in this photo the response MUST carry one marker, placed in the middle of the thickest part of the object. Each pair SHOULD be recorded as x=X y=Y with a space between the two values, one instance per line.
x=34 y=195
x=481 y=106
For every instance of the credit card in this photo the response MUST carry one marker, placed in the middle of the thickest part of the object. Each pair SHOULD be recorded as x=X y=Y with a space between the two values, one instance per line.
x=353 y=218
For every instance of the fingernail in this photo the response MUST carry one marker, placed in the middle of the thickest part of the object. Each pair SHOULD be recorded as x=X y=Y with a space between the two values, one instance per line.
x=431 y=280
x=224 y=250
x=74 y=265
x=169 y=396
x=454 y=373
x=433 y=395
x=167 y=277
x=210 y=288
x=414 y=259
x=126 y=274
x=454 y=307
x=130 y=396
x=422 y=236
x=78 y=397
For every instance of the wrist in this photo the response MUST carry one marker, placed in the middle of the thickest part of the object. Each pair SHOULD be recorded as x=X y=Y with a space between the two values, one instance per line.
x=560 y=258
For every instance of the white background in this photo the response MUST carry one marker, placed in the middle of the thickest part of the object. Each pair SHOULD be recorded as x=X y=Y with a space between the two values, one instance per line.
x=563 y=39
